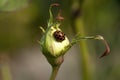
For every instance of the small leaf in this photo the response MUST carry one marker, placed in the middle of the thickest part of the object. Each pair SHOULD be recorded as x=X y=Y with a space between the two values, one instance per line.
x=107 y=51
x=43 y=30
x=77 y=38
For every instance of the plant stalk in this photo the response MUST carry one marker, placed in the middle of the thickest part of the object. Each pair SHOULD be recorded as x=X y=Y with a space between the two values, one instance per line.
x=5 y=71
x=55 y=63
x=85 y=58
x=78 y=23
x=55 y=70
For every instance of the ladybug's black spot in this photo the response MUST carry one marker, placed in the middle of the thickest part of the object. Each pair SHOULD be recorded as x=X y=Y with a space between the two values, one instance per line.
x=59 y=36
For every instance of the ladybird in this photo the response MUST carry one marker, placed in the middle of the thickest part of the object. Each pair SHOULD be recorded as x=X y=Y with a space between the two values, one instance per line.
x=59 y=36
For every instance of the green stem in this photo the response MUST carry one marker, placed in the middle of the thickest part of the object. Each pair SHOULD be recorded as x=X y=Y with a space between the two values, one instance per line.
x=5 y=67
x=85 y=58
x=6 y=72
x=55 y=63
x=54 y=72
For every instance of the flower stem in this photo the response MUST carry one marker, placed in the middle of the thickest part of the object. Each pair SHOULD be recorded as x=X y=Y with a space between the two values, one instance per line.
x=54 y=72
x=55 y=63
x=5 y=67
x=85 y=58
x=79 y=27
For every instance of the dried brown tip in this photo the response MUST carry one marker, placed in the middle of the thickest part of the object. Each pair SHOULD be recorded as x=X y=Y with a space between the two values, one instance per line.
x=55 y=4
x=107 y=51
x=59 y=16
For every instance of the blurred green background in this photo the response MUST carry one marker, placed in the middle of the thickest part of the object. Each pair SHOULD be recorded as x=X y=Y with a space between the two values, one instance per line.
x=20 y=55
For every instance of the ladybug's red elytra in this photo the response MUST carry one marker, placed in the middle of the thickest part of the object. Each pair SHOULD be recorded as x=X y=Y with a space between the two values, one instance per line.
x=59 y=36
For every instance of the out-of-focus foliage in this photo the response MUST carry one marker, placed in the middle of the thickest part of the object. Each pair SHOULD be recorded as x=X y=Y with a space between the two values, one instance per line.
x=10 y=5
x=20 y=29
